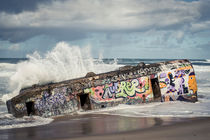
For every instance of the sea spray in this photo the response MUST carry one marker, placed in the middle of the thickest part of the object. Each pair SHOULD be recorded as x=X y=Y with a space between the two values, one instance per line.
x=61 y=63
x=164 y=109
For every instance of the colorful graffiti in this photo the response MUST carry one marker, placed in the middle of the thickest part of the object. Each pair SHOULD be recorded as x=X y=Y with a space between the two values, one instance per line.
x=178 y=84
x=170 y=82
x=50 y=103
x=129 y=86
x=162 y=84
x=20 y=107
x=138 y=88
x=192 y=83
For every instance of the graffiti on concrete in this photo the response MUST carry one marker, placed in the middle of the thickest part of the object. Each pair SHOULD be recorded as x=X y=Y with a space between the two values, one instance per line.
x=131 y=88
x=131 y=85
x=170 y=81
x=53 y=103
x=137 y=73
x=135 y=88
x=192 y=83
x=182 y=87
x=20 y=107
x=178 y=84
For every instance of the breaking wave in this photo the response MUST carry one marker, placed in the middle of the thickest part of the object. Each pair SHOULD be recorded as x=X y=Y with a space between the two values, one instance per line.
x=67 y=62
x=208 y=60
x=7 y=69
x=61 y=63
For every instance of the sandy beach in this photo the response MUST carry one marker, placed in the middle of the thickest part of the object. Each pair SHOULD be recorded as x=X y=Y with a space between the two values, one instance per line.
x=192 y=130
x=110 y=127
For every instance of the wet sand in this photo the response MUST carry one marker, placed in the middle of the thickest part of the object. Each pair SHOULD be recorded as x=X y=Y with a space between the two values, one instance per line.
x=95 y=127
x=196 y=129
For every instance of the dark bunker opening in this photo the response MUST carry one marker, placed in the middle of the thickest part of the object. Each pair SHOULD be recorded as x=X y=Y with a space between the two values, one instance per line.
x=30 y=108
x=85 y=101
x=156 y=88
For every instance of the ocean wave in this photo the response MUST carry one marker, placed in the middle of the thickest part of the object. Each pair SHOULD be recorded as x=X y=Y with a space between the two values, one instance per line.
x=67 y=62
x=63 y=62
x=201 y=68
x=157 y=109
x=7 y=65
x=7 y=69
x=6 y=73
x=1 y=102
x=7 y=121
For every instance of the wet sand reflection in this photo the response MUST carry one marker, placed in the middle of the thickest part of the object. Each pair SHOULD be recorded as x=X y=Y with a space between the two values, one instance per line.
x=83 y=125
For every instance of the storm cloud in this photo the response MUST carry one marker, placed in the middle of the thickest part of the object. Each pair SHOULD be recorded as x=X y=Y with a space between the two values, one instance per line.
x=17 y=6
x=21 y=20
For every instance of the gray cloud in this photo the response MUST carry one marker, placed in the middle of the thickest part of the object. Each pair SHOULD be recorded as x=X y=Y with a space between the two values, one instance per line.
x=72 y=20
x=20 y=35
x=17 y=6
x=204 y=10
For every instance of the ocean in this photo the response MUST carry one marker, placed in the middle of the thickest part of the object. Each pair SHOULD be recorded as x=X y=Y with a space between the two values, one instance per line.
x=66 y=62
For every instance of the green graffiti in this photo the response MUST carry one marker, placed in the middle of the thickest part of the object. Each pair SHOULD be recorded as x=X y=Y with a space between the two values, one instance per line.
x=89 y=90
x=105 y=87
x=131 y=88
x=126 y=89
x=146 y=86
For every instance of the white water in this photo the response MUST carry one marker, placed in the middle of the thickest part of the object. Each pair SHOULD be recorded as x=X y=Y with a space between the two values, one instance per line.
x=62 y=63
x=67 y=62
x=7 y=121
x=170 y=109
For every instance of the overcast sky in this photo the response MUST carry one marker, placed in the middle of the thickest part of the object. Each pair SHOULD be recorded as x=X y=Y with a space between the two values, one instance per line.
x=118 y=28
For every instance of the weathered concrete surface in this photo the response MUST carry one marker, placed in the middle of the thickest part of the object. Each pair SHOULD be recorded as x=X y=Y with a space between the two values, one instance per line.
x=165 y=81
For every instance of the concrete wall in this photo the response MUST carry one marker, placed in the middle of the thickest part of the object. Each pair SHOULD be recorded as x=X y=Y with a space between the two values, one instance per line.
x=131 y=86
x=133 y=91
x=50 y=103
x=178 y=84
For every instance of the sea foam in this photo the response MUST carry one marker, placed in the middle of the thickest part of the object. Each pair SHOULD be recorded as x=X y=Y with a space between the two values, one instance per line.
x=7 y=121
x=67 y=62
x=61 y=63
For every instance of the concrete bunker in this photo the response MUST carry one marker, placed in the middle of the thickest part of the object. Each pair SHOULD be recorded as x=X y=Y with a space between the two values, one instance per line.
x=84 y=101
x=30 y=108
x=156 y=89
x=144 y=83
